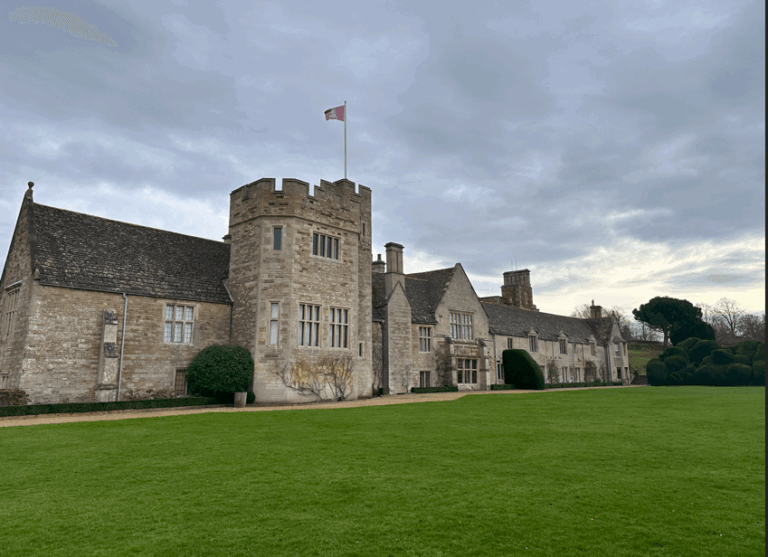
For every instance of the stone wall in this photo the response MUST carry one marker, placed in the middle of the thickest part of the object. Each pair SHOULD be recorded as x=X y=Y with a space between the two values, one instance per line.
x=292 y=276
x=61 y=361
x=16 y=288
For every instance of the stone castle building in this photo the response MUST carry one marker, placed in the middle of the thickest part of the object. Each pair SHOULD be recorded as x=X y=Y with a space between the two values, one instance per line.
x=95 y=309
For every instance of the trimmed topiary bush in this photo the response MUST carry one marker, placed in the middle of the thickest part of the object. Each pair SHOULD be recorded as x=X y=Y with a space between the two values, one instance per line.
x=747 y=349
x=675 y=364
x=656 y=372
x=674 y=352
x=702 y=349
x=738 y=374
x=760 y=354
x=250 y=398
x=521 y=370
x=220 y=370
x=722 y=357
x=688 y=343
x=739 y=359
x=758 y=372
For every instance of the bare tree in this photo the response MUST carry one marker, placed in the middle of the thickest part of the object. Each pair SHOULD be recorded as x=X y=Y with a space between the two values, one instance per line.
x=753 y=327
x=337 y=374
x=730 y=312
x=303 y=377
x=582 y=312
x=643 y=331
x=405 y=379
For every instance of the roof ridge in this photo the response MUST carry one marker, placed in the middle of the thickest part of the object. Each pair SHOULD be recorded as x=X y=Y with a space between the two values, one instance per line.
x=129 y=223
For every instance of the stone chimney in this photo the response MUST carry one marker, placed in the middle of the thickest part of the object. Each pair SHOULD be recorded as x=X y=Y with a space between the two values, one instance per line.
x=378 y=266
x=517 y=290
x=595 y=312
x=394 y=272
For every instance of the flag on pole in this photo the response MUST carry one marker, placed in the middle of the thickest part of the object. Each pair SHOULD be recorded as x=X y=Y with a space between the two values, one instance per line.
x=335 y=113
x=340 y=113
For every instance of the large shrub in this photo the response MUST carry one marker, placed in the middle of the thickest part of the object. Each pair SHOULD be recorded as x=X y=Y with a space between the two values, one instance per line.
x=688 y=343
x=521 y=371
x=656 y=372
x=760 y=354
x=739 y=359
x=707 y=374
x=702 y=349
x=722 y=357
x=219 y=370
x=675 y=364
x=675 y=352
x=697 y=329
x=747 y=349
x=738 y=374
x=758 y=372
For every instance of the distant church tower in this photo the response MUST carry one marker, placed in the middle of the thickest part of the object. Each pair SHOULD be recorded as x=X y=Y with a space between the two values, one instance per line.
x=300 y=279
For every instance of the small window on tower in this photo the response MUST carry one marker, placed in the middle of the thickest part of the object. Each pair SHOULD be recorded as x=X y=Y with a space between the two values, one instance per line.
x=277 y=238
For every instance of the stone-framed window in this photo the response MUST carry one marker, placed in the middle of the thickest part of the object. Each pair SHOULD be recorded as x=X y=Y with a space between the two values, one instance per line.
x=618 y=350
x=180 y=382
x=618 y=372
x=309 y=325
x=424 y=379
x=11 y=309
x=179 y=321
x=499 y=371
x=533 y=343
x=425 y=339
x=563 y=346
x=338 y=328
x=564 y=374
x=466 y=370
x=592 y=348
x=461 y=326
x=577 y=375
x=510 y=343
x=274 y=322
x=326 y=246
x=277 y=238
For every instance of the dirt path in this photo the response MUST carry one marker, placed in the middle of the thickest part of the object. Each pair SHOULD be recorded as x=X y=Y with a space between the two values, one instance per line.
x=155 y=412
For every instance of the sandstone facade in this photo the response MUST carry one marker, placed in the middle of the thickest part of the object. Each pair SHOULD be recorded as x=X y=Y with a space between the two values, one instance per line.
x=93 y=309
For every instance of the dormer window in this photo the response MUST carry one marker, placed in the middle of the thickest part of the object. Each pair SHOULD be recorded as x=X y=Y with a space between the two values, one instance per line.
x=533 y=341
x=563 y=346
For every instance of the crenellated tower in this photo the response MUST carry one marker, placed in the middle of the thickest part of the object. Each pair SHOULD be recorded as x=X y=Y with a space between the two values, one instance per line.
x=300 y=279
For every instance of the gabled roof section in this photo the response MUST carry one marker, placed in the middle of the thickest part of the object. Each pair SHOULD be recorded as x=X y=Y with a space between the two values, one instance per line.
x=91 y=253
x=423 y=290
x=516 y=322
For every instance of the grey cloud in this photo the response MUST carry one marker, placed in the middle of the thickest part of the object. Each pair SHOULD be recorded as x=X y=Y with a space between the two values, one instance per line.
x=69 y=22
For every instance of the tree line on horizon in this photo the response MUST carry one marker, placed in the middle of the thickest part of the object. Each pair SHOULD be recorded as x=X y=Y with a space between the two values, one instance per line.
x=666 y=320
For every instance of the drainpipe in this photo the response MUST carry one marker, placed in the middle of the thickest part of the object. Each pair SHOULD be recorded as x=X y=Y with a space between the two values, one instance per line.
x=122 y=346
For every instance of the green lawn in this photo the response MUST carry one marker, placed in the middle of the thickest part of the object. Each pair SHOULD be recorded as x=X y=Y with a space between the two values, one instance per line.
x=640 y=355
x=614 y=472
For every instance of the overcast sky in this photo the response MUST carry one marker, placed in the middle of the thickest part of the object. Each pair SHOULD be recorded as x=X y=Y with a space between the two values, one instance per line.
x=615 y=149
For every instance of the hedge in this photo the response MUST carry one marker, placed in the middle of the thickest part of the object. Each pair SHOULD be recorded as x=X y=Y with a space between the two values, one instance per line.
x=701 y=350
x=73 y=407
x=503 y=387
x=656 y=372
x=447 y=389
x=521 y=370
x=576 y=385
x=758 y=372
x=675 y=352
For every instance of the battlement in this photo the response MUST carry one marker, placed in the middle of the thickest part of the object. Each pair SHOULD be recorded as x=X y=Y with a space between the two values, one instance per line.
x=345 y=189
x=332 y=203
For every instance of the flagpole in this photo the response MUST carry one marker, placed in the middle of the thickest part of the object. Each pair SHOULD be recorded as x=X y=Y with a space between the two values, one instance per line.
x=345 y=140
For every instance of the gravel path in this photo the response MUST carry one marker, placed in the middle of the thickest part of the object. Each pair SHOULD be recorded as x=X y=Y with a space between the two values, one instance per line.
x=155 y=412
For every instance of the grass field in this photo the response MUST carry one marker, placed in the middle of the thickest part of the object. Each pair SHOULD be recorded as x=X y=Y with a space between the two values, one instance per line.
x=614 y=472
x=640 y=355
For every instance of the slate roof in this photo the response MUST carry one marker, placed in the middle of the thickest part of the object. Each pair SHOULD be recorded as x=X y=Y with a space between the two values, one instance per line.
x=516 y=322
x=423 y=290
x=91 y=253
